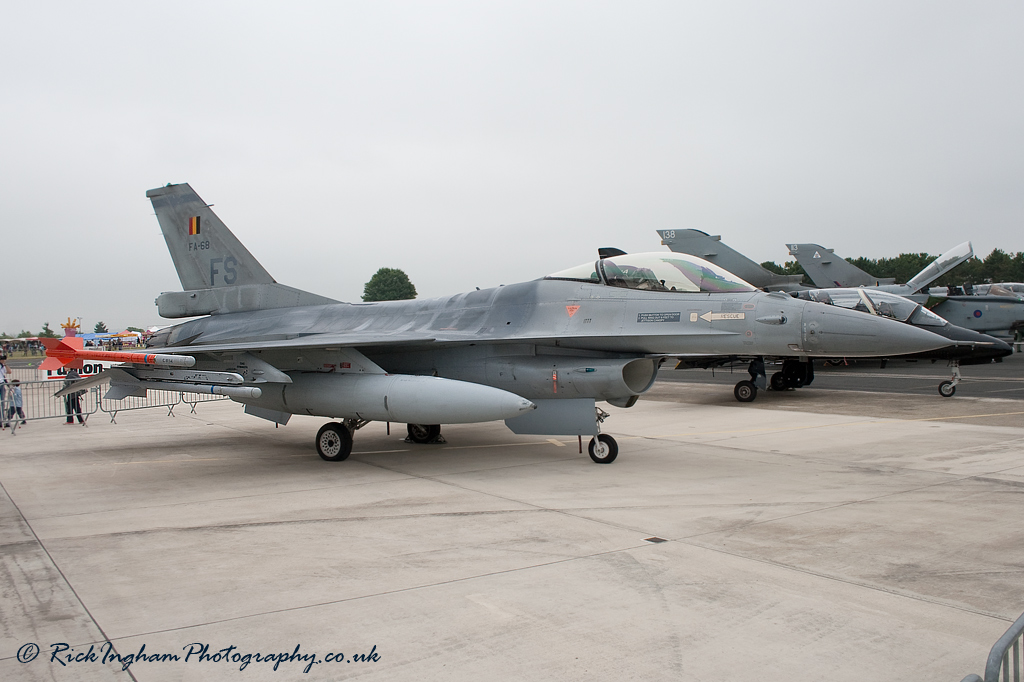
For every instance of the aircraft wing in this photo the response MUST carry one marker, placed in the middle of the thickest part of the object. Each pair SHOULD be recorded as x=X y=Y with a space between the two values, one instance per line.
x=331 y=340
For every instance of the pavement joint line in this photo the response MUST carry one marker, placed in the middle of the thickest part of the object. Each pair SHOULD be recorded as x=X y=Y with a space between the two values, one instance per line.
x=307 y=521
x=229 y=459
x=299 y=491
x=63 y=577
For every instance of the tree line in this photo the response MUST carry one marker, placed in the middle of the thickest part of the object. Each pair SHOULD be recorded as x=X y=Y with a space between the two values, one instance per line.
x=998 y=266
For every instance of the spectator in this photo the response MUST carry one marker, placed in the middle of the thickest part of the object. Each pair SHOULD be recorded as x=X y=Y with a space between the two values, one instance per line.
x=16 y=404
x=73 y=401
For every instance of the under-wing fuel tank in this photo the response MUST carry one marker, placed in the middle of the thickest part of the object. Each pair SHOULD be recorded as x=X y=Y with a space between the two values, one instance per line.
x=390 y=397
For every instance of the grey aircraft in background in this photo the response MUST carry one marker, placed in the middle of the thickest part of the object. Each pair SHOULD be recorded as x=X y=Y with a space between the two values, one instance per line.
x=828 y=270
x=538 y=354
x=966 y=346
x=711 y=249
x=998 y=314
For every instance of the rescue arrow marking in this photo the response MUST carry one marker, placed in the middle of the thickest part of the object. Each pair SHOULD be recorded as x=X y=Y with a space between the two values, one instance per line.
x=709 y=316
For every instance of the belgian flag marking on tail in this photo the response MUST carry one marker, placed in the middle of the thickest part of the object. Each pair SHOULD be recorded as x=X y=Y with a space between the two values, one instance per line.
x=193 y=225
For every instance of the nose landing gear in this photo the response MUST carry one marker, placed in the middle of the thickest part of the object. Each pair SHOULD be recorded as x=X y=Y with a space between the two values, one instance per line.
x=948 y=388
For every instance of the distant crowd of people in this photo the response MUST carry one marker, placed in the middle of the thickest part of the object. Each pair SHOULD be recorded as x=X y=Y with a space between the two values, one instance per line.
x=11 y=346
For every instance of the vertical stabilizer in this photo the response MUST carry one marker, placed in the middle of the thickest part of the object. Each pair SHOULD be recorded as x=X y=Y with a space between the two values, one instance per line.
x=828 y=270
x=711 y=249
x=205 y=252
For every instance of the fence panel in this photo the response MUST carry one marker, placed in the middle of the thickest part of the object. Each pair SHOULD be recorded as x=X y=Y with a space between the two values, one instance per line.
x=38 y=402
x=154 y=398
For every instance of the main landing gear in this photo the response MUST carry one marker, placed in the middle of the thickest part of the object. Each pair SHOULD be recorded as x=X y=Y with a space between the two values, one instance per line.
x=425 y=433
x=794 y=374
x=334 y=439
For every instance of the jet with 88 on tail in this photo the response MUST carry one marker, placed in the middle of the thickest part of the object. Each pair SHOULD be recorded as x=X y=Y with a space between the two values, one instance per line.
x=538 y=354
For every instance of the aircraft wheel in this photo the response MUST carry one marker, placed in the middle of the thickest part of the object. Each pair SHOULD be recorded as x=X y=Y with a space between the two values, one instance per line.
x=424 y=433
x=947 y=389
x=778 y=382
x=603 y=449
x=745 y=391
x=333 y=442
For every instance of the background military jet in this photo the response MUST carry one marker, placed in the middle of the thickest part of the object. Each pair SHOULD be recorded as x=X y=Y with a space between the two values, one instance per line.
x=828 y=270
x=966 y=346
x=711 y=248
x=998 y=314
x=537 y=354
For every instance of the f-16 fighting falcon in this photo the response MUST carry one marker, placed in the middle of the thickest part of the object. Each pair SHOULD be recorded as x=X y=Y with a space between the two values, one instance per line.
x=537 y=354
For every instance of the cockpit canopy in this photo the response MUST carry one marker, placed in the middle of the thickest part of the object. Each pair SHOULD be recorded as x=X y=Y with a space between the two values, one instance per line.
x=876 y=303
x=657 y=271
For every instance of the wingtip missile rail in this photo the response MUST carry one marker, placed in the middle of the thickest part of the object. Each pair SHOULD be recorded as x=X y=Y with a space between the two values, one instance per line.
x=70 y=351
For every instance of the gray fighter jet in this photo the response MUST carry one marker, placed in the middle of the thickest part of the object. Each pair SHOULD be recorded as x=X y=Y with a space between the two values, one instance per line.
x=537 y=354
x=998 y=314
x=966 y=346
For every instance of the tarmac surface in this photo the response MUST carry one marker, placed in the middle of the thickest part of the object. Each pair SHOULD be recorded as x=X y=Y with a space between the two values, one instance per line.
x=813 y=534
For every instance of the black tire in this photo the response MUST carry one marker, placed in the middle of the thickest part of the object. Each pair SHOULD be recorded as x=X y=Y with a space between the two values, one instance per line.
x=745 y=391
x=423 y=433
x=333 y=442
x=778 y=382
x=603 y=449
x=947 y=389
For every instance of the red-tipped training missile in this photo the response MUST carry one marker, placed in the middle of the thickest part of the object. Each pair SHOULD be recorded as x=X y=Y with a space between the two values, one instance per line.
x=69 y=351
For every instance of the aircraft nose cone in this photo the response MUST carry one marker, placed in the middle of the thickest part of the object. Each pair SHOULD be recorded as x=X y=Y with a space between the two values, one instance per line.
x=970 y=345
x=830 y=331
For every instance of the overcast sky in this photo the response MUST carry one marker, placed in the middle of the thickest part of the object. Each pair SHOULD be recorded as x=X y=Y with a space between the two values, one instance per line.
x=484 y=143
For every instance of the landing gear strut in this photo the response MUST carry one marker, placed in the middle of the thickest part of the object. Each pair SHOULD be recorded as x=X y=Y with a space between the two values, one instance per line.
x=745 y=391
x=948 y=388
x=603 y=449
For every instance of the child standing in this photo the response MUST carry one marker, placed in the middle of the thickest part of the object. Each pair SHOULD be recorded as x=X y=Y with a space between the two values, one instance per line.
x=16 y=403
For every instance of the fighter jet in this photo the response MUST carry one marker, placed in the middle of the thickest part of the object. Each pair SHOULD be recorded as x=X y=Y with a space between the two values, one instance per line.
x=538 y=354
x=965 y=346
x=997 y=313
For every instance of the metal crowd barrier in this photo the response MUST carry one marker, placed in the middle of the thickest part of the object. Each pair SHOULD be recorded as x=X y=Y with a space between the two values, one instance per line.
x=1005 y=661
x=38 y=402
x=155 y=398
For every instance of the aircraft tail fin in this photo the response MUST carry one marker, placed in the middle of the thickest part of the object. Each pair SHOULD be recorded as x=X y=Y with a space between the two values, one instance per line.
x=217 y=272
x=711 y=248
x=205 y=252
x=828 y=270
